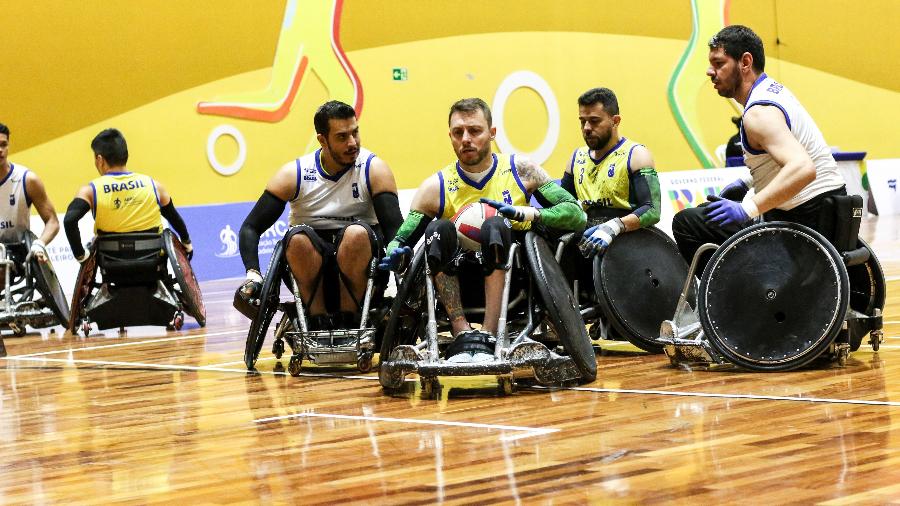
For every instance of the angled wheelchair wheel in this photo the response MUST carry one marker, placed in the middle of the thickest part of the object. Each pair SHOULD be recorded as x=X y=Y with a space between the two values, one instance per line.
x=638 y=281
x=47 y=284
x=406 y=319
x=559 y=304
x=188 y=289
x=268 y=305
x=867 y=285
x=87 y=273
x=773 y=296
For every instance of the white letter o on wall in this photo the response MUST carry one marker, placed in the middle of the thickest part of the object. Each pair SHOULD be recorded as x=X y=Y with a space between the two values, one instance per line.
x=527 y=79
x=234 y=133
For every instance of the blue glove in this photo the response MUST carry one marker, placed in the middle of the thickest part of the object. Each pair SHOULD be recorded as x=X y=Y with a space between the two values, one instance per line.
x=396 y=260
x=724 y=212
x=736 y=190
x=596 y=239
x=516 y=213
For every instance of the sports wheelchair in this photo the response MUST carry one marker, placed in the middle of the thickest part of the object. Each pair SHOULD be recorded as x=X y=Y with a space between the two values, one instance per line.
x=32 y=294
x=137 y=286
x=779 y=295
x=322 y=347
x=537 y=309
x=636 y=284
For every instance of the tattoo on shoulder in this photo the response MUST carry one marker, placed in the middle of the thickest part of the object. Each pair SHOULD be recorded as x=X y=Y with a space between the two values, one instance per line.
x=531 y=173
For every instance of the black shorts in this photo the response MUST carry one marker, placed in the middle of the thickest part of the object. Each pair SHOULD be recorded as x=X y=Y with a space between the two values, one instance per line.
x=326 y=243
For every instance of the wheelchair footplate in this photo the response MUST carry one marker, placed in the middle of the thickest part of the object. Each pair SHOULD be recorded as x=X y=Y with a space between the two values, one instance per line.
x=332 y=347
x=26 y=313
x=524 y=359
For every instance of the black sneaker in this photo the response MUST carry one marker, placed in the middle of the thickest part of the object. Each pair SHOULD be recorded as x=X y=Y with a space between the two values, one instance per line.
x=318 y=323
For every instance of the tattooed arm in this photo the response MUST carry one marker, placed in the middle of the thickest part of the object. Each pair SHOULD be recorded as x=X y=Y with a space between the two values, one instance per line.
x=560 y=209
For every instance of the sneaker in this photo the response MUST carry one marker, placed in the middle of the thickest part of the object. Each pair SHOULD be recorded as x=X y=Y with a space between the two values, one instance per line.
x=482 y=357
x=318 y=322
x=461 y=358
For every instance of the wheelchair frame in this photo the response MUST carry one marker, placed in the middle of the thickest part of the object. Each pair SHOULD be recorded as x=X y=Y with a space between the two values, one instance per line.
x=685 y=338
x=322 y=347
x=26 y=311
x=515 y=358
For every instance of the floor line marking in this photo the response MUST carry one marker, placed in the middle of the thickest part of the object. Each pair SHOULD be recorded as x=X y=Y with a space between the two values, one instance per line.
x=536 y=387
x=533 y=431
x=725 y=396
x=130 y=343
x=174 y=367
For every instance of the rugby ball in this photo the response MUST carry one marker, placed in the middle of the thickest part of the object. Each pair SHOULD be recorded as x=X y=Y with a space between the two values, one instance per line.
x=468 y=221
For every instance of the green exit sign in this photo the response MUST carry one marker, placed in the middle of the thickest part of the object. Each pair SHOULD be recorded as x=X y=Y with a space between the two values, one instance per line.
x=400 y=74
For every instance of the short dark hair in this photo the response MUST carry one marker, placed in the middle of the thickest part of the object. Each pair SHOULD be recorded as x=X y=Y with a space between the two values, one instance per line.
x=110 y=144
x=333 y=109
x=4 y=130
x=604 y=96
x=470 y=105
x=737 y=40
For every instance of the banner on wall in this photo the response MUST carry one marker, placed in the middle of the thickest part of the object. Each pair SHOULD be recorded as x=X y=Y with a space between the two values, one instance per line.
x=883 y=176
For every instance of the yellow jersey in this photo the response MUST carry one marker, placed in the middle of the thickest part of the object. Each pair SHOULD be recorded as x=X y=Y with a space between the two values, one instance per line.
x=502 y=183
x=604 y=181
x=125 y=202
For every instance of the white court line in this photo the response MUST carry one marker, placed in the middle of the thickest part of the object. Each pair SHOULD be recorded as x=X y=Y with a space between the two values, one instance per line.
x=673 y=393
x=531 y=431
x=213 y=368
x=130 y=343
x=725 y=396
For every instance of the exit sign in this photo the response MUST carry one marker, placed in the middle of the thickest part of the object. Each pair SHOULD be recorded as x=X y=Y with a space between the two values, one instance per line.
x=400 y=74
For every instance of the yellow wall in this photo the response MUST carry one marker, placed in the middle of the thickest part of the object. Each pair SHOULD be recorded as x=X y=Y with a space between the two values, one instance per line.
x=72 y=68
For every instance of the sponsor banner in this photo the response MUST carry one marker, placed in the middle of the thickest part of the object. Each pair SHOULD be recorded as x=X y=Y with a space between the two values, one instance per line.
x=689 y=188
x=214 y=234
x=883 y=176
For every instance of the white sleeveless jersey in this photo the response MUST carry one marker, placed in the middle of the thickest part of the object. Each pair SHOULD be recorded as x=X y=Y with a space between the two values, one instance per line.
x=325 y=202
x=15 y=213
x=763 y=168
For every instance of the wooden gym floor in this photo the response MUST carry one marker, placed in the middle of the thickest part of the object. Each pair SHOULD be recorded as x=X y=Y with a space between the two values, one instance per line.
x=172 y=416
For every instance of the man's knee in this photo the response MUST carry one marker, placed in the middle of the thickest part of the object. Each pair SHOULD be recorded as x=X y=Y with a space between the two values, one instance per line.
x=356 y=245
x=441 y=244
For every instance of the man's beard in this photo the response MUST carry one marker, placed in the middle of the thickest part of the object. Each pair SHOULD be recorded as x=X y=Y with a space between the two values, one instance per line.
x=599 y=141
x=342 y=159
x=481 y=155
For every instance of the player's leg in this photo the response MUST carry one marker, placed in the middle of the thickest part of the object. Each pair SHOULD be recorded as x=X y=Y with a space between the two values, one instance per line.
x=304 y=250
x=356 y=245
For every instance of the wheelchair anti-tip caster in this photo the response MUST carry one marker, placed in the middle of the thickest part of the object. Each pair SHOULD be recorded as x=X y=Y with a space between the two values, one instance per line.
x=18 y=331
x=431 y=387
x=294 y=365
x=364 y=362
x=876 y=337
x=86 y=327
x=178 y=321
x=278 y=348
x=506 y=385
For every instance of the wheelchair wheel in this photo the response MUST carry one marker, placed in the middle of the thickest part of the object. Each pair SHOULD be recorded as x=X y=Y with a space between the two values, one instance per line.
x=83 y=285
x=406 y=319
x=773 y=296
x=638 y=282
x=188 y=289
x=268 y=304
x=559 y=305
x=48 y=286
x=867 y=285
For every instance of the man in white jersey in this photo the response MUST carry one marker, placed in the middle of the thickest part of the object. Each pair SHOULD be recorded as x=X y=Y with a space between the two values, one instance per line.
x=791 y=167
x=343 y=205
x=20 y=187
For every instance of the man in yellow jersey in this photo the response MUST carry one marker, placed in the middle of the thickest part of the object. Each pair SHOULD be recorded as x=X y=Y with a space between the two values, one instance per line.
x=507 y=183
x=21 y=187
x=613 y=177
x=121 y=201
